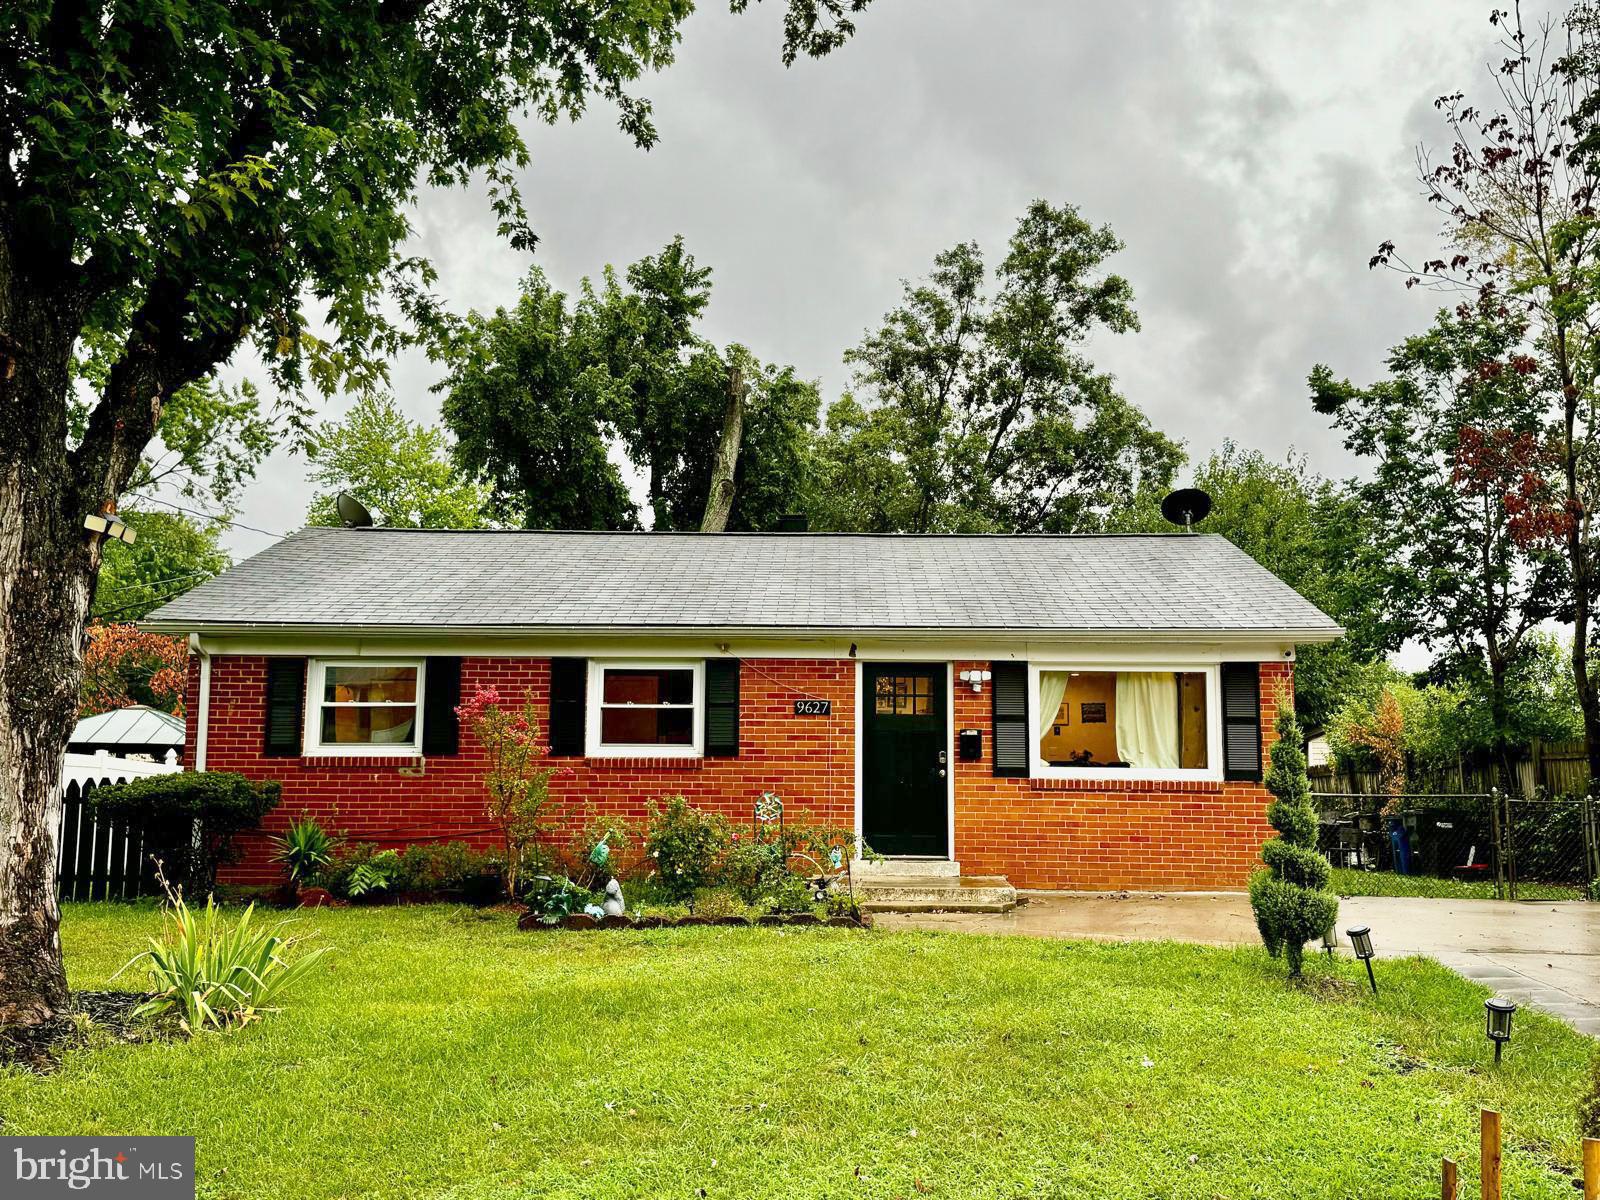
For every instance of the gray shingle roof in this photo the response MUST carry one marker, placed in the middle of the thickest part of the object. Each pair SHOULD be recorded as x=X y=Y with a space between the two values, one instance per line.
x=404 y=578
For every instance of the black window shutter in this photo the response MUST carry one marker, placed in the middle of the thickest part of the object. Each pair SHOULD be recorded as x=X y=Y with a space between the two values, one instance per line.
x=1009 y=686
x=1241 y=721
x=441 y=728
x=286 y=706
x=722 y=707
x=569 y=688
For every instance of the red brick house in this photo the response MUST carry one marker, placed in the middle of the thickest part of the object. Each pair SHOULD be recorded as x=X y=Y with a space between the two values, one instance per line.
x=1069 y=712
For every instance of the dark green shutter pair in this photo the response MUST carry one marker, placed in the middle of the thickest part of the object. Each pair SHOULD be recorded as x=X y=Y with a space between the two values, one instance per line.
x=1241 y=720
x=286 y=706
x=569 y=706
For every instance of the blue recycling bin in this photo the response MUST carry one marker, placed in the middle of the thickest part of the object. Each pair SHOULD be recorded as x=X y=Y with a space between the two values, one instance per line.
x=1400 y=846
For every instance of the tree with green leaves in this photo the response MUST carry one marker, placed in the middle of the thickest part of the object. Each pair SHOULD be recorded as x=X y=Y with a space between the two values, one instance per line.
x=1308 y=531
x=537 y=395
x=1291 y=899
x=399 y=468
x=171 y=554
x=180 y=180
x=976 y=412
x=1464 y=519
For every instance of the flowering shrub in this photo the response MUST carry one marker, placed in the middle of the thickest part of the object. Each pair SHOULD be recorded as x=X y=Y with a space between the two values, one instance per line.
x=518 y=789
x=688 y=847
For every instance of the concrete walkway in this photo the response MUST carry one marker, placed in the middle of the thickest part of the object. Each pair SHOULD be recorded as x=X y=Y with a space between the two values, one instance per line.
x=1544 y=954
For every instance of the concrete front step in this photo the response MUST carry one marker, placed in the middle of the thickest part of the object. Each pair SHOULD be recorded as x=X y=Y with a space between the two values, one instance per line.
x=936 y=893
x=861 y=869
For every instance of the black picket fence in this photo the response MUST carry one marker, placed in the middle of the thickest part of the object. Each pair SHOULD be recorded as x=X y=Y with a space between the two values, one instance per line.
x=1538 y=848
x=101 y=859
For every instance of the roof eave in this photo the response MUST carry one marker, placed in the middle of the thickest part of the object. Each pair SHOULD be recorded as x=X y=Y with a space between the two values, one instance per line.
x=1302 y=635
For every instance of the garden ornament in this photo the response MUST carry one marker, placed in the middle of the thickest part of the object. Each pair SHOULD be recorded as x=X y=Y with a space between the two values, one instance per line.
x=601 y=854
x=613 y=905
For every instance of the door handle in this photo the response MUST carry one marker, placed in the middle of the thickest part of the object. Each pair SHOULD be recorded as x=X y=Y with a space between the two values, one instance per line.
x=941 y=772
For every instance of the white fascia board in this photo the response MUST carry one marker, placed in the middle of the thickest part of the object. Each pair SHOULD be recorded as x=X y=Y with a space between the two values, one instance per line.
x=942 y=645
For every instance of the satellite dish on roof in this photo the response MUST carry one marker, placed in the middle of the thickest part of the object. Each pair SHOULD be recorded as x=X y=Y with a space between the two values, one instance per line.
x=351 y=511
x=1185 y=507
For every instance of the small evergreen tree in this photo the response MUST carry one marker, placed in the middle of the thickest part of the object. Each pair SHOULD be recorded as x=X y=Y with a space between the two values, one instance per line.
x=1291 y=898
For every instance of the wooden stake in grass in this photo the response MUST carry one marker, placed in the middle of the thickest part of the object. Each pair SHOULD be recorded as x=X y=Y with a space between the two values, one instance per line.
x=1489 y=1154
x=1591 y=1169
x=1447 y=1180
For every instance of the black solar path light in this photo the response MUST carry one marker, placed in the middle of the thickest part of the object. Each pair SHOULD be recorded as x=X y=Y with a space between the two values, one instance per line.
x=1361 y=942
x=1498 y=1014
x=1330 y=941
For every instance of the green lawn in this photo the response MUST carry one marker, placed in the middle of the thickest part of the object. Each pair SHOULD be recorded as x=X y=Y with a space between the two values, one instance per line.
x=443 y=1054
x=1348 y=881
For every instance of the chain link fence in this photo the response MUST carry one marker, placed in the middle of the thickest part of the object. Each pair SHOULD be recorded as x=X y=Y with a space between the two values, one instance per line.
x=1467 y=844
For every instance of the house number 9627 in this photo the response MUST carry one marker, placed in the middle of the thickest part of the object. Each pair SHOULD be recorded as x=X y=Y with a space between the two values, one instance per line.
x=813 y=708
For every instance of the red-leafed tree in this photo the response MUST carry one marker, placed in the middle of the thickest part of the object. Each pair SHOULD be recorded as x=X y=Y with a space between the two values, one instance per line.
x=1465 y=504
x=125 y=665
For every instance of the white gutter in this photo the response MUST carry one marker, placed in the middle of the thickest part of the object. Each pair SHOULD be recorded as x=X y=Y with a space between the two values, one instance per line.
x=202 y=716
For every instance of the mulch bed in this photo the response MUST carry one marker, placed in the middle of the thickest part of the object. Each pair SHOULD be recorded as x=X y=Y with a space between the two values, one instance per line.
x=92 y=1016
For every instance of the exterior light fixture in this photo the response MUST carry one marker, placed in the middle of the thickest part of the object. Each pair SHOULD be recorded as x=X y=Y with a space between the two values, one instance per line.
x=1330 y=940
x=110 y=527
x=1361 y=942
x=1498 y=1014
x=976 y=678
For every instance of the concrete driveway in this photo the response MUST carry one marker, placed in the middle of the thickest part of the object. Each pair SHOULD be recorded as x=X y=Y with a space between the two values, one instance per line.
x=1545 y=954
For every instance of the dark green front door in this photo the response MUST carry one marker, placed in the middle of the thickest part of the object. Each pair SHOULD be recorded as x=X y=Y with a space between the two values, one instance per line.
x=905 y=756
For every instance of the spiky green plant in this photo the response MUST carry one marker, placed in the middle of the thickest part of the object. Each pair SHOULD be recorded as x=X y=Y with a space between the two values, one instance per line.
x=213 y=972
x=1291 y=899
x=304 y=849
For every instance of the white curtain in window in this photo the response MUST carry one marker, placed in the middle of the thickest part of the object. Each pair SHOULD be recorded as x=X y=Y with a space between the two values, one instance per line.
x=1147 y=718
x=1052 y=690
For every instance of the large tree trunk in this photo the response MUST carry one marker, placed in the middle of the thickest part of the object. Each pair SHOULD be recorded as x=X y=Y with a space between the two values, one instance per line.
x=47 y=565
x=719 y=497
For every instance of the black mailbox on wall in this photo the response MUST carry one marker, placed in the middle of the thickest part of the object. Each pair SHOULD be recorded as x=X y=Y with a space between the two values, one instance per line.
x=969 y=745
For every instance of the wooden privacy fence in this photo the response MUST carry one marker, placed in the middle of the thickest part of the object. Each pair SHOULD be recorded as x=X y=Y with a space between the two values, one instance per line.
x=98 y=859
x=1548 y=768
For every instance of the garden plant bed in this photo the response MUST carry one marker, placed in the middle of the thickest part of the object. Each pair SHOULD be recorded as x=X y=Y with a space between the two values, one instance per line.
x=764 y=1064
x=579 y=921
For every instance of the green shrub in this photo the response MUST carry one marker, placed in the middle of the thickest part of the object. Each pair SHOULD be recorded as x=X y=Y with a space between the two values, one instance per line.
x=840 y=903
x=720 y=902
x=167 y=808
x=790 y=894
x=752 y=867
x=687 y=846
x=1291 y=900
x=552 y=897
x=377 y=874
x=304 y=850
x=452 y=870
x=210 y=972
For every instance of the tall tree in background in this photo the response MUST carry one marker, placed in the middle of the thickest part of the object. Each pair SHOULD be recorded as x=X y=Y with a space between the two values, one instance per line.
x=537 y=396
x=991 y=414
x=1464 y=512
x=1308 y=531
x=178 y=180
x=1518 y=200
x=398 y=467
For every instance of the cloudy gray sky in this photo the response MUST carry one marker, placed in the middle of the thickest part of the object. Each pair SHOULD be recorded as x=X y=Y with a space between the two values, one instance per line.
x=1250 y=153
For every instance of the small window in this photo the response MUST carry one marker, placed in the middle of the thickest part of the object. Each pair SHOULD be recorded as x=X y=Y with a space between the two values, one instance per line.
x=364 y=707
x=1141 y=721
x=645 y=708
x=903 y=695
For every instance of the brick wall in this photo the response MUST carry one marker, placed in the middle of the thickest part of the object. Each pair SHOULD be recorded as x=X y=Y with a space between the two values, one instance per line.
x=393 y=801
x=1091 y=835
x=1041 y=833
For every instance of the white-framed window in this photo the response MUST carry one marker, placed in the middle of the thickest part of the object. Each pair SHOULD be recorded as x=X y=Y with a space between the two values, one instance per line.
x=1126 y=720
x=364 y=706
x=646 y=708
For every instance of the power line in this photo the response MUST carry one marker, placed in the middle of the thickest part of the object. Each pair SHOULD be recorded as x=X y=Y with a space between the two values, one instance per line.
x=139 y=584
x=215 y=518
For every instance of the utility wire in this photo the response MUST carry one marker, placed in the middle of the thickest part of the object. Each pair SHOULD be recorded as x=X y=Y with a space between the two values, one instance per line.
x=215 y=517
